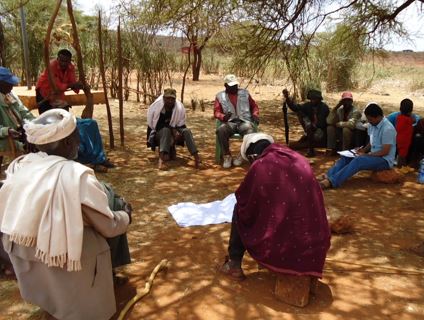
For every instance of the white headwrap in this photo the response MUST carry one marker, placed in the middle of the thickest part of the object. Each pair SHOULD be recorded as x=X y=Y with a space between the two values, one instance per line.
x=250 y=138
x=42 y=131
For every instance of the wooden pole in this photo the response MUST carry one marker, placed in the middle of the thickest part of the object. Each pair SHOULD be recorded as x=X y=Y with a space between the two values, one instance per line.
x=25 y=46
x=52 y=83
x=88 y=110
x=120 y=96
x=185 y=74
x=102 y=72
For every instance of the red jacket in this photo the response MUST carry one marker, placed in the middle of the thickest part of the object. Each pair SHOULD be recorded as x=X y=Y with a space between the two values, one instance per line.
x=63 y=80
x=404 y=130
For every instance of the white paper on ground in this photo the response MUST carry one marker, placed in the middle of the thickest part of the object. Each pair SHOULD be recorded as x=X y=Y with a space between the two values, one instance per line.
x=188 y=214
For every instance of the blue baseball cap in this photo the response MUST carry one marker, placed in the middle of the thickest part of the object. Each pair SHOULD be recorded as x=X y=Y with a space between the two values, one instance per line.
x=7 y=76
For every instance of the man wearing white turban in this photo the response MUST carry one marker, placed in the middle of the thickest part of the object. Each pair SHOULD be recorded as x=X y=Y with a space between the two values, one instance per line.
x=58 y=248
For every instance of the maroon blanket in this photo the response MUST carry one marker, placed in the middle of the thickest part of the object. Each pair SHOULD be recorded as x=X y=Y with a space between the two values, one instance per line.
x=280 y=213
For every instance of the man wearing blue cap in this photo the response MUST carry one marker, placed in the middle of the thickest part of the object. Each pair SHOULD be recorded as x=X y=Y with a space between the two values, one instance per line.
x=12 y=113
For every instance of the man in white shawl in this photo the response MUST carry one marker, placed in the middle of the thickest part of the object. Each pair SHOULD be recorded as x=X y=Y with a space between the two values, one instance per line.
x=166 y=119
x=54 y=216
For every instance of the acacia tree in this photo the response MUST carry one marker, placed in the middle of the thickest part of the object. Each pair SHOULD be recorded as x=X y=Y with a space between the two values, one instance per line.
x=287 y=29
x=197 y=20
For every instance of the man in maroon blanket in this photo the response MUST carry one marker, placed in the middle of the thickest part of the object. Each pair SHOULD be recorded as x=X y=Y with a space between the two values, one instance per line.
x=279 y=217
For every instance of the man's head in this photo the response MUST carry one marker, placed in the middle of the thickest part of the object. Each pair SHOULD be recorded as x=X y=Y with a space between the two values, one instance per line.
x=406 y=107
x=347 y=99
x=64 y=57
x=7 y=80
x=169 y=98
x=314 y=96
x=231 y=83
x=254 y=144
x=54 y=132
x=374 y=113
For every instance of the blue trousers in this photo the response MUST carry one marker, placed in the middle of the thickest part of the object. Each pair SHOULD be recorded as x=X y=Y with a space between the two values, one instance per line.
x=346 y=167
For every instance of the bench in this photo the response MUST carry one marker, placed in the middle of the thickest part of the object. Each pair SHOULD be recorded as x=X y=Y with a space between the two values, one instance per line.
x=74 y=99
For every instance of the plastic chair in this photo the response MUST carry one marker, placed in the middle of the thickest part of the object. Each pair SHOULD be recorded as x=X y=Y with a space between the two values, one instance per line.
x=236 y=136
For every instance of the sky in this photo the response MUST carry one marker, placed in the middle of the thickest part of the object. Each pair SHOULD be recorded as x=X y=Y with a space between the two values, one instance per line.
x=412 y=18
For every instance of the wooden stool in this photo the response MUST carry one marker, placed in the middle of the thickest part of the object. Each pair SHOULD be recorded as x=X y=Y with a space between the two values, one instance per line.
x=295 y=290
x=387 y=176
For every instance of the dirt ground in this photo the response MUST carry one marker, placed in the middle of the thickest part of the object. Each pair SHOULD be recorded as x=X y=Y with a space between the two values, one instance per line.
x=369 y=274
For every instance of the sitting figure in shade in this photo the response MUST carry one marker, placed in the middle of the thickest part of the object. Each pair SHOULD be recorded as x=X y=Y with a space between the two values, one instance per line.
x=279 y=217
x=378 y=154
x=166 y=120
x=12 y=115
x=404 y=121
x=63 y=71
x=238 y=113
x=57 y=226
x=341 y=124
x=312 y=116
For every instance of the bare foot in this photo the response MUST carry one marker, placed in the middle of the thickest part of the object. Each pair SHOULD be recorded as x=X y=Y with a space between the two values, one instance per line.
x=197 y=161
x=162 y=165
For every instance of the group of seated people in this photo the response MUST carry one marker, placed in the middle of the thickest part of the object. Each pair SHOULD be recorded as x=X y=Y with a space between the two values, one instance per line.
x=64 y=252
x=344 y=126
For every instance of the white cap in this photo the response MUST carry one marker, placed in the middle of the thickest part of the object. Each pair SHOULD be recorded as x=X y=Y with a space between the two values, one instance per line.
x=231 y=80
x=53 y=125
x=250 y=138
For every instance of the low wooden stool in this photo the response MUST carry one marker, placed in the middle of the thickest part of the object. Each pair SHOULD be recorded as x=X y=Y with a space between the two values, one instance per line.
x=387 y=176
x=295 y=290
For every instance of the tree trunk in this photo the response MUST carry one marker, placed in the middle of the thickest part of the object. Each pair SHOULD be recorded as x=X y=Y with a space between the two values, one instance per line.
x=2 y=46
x=103 y=74
x=185 y=74
x=120 y=93
x=197 y=63
x=52 y=83
x=138 y=85
x=89 y=106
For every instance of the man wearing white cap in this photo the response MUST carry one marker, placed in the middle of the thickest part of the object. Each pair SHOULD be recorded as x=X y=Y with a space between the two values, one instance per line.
x=341 y=122
x=12 y=113
x=238 y=112
x=55 y=216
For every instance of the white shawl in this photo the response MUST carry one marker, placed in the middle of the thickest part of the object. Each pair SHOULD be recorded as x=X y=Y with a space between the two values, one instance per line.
x=40 y=205
x=178 y=114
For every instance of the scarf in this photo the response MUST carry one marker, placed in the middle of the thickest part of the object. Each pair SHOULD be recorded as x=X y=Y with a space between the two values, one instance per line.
x=40 y=206
x=178 y=113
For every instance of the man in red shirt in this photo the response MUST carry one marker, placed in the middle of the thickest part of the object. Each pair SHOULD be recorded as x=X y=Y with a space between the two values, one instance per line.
x=238 y=112
x=63 y=72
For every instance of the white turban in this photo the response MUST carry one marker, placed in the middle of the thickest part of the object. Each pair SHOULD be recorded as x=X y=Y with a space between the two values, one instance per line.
x=250 y=138
x=53 y=125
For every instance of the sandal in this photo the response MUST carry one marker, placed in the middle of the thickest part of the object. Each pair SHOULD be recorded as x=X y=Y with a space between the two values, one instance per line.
x=322 y=177
x=325 y=184
x=119 y=280
x=232 y=272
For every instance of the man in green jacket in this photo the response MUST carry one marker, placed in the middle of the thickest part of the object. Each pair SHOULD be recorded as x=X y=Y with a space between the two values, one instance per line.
x=12 y=113
x=341 y=123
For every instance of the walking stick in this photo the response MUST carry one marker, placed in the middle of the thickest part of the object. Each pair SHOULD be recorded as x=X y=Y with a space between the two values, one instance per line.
x=286 y=120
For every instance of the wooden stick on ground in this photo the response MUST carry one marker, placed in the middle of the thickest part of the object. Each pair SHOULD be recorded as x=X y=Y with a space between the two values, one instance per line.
x=162 y=265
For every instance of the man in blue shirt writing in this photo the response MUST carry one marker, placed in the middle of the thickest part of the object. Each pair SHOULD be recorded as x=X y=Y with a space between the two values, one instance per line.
x=379 y=154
